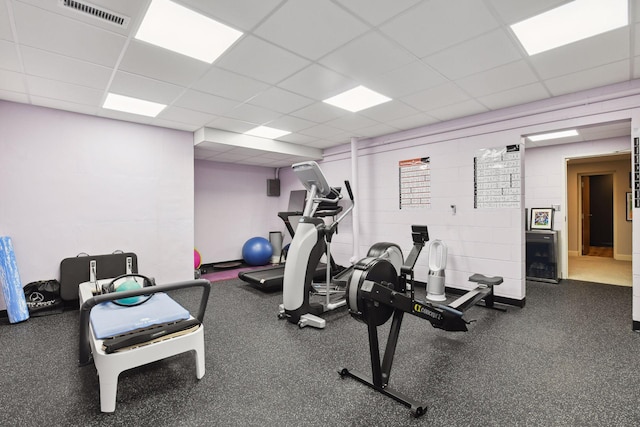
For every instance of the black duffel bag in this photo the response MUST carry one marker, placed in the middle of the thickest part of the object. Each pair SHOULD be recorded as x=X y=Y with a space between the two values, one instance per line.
x=43 y=298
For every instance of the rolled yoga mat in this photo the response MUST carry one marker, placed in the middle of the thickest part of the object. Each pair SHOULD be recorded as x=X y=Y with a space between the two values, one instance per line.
x=10 y=283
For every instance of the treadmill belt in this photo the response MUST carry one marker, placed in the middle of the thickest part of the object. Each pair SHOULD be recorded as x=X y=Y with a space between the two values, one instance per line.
x=271 y=278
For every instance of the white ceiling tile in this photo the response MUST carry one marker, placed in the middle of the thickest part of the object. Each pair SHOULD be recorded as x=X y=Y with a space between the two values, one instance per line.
x=589 y=53
x=242 y=151
x=144 y=88
x=12 y=81
x=251 y=113
x=319 y=112
x=342 y=137
x=439 y=96
x=127 y=117
x=412 y=122
x=388 y=111
x=438 y=24
x=301 y=26
x=351 y=122
x=5 y=23
x=9 y=56
x=499 y=79
x=71 y=58
x=320 y=143
x=63 y=68
x=290 y=123
x=376 y=130
x=201 y=154
x=232 y=125
x=258 y=160
x=124 y=8
x=64 y=91
x=318 y=83
x=276 y=156
x=297 y=138
x=321 y=131
x=229 y=85
x=376 y=12
x=473 y=56
x=404 y=80
x=42 y=30
x=206 y=103
x=226 y=157
x=513 y=11
x=261 y=60
x=161 y=64
x=280 y=100
x=367 y=56
x=462 y=109
x=519 y=95
x=599 y=76
x=183 y=115
x=241 y=14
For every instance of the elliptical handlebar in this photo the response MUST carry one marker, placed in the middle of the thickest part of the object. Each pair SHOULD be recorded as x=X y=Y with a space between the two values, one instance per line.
x=348 y=185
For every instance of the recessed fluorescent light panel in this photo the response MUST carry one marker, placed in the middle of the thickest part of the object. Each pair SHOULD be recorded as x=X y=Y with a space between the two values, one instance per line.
x=553 y=135
x=132 y=105
x=177 y=28
x=267 y=132
x=356 y=99
x=569 y=23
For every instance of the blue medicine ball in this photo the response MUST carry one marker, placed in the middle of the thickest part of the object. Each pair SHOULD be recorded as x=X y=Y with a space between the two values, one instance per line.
x=257 y=251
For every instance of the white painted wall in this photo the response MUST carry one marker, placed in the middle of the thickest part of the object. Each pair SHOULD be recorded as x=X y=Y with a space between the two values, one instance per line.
x=231 y=206
x=71 y=183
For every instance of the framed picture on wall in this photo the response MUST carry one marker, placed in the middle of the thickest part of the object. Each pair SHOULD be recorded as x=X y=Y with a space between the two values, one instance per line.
x=541 y=219
x=629 y=207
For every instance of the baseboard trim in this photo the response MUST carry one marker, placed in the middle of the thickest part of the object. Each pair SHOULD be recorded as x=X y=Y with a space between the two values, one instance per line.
x=636 y=326
x=623 y=257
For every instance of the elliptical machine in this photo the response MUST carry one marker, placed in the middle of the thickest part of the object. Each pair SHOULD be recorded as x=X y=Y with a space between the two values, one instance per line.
x=312 y=239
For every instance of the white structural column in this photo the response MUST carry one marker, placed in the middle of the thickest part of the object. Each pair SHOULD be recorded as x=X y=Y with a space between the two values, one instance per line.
x=354 y=214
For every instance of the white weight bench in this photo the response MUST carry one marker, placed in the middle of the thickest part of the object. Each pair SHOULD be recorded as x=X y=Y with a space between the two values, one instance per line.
x=160 y=341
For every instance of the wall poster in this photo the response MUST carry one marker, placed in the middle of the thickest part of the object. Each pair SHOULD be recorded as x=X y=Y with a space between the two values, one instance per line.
x=496 y=182
x=415 y=183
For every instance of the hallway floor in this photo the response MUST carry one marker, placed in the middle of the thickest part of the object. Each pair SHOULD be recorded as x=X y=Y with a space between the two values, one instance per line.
x=601 y=270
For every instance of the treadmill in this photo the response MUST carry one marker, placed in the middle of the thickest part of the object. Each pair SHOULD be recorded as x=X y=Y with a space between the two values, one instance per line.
x=270 y=278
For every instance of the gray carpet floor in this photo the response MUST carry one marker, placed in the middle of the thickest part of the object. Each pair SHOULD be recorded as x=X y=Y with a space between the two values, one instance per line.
x=568 y=358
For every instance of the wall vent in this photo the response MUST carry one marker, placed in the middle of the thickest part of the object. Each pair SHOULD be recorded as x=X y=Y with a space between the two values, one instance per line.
x=96 y=12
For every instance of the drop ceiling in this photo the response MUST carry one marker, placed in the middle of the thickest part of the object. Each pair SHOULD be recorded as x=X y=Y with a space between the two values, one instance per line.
x=436 y=59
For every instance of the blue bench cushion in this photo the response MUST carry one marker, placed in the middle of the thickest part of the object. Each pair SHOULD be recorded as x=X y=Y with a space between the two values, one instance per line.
x=109 y=319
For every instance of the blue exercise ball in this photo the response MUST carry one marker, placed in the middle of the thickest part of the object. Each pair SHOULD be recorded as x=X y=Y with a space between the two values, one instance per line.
x=257 y=251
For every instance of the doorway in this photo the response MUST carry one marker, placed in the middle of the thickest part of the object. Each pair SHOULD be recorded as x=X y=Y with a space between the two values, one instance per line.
x=599 y=238
x=597 y=215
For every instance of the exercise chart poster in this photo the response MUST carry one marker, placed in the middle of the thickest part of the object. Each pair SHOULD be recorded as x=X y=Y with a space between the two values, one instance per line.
x=415 y=183
x=497 y=173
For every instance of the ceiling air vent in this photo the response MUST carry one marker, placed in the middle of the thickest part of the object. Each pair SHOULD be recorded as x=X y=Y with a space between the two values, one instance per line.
x=96 y=12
